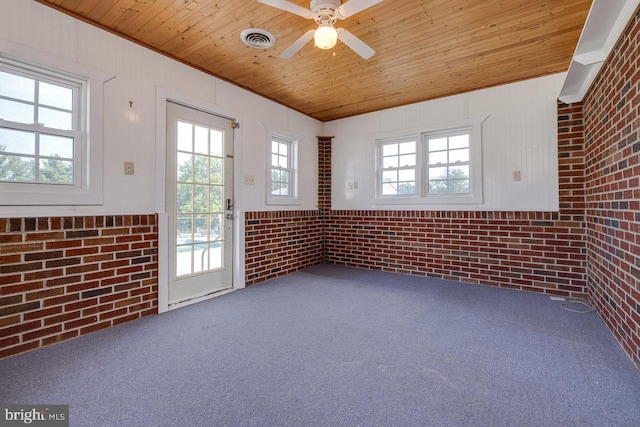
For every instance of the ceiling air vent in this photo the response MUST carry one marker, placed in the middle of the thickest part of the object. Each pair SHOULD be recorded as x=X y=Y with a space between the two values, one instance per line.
x=257 y=38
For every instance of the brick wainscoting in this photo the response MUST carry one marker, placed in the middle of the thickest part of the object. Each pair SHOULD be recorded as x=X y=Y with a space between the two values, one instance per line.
x=612 y=149
x=62 y=277
x=529 y=251
x=278 y=243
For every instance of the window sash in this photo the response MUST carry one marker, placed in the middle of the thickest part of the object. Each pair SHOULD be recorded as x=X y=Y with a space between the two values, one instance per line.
x=402 y=185
x=281 y=176
x=37 y=157
x=38 y=130
x=45 y=76
x=454 y=185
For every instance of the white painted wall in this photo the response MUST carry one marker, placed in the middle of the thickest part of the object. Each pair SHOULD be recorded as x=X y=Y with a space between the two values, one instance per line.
x=520 y=134
x=139 y=73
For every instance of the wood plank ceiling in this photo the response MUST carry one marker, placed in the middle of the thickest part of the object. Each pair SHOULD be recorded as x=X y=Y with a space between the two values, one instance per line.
x=424 y=49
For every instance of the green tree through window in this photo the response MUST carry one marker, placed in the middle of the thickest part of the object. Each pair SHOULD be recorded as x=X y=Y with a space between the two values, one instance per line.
x=17 y=169
x=194 y=198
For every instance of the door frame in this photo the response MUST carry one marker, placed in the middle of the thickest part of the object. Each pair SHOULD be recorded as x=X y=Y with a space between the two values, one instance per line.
x=163 y=95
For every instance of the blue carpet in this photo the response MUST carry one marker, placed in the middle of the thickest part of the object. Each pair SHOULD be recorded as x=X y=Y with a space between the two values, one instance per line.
x=335 y=346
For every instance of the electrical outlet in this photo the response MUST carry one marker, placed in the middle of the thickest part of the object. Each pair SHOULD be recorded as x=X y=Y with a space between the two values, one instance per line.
x=516 y=175
x=249 y=180
x=129 y=168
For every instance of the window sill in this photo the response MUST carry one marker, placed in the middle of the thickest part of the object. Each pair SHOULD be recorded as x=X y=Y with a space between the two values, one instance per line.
x=17 y=195
x=467 y=199
x=283 y=202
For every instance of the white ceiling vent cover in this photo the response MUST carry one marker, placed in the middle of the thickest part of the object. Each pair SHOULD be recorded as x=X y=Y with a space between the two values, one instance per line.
x=257 y=38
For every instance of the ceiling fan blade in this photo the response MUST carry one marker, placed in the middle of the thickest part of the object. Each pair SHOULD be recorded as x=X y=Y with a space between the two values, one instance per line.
x=357 y=45
x=288 y=7
x=297 y=45
x=352 y=7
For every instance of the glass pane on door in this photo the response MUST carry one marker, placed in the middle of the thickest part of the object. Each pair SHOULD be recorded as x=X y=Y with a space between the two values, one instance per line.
x=200 y=194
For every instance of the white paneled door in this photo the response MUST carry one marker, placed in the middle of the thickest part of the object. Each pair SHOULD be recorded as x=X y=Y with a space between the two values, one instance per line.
x=199 y=203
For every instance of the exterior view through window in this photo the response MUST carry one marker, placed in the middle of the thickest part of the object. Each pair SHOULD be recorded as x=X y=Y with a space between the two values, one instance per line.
x=40 y=133
x=281 y=167
x=448 y=163
x=430 y=167
x=399 y=167
x=200 y=199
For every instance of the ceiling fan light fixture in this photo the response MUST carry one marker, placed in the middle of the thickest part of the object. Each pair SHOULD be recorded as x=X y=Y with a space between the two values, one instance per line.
x=325 y=37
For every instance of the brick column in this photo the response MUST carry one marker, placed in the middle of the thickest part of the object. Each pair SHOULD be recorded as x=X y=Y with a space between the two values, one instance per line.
x=324 y=174
x=571 y=163
x=324 y=183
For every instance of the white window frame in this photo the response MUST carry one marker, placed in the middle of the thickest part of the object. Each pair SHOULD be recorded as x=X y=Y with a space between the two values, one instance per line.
x=87 y=187
x=380 y=167
x=426 y=161
x=76 y=132
x=293 y=142
x=422 y=196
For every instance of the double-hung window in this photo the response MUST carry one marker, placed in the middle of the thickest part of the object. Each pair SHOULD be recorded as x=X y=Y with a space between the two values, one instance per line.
x=430 y=166
x=51 y=126
x=282 y=172
x=448 y=162
x=398 y=166
x=40 y=126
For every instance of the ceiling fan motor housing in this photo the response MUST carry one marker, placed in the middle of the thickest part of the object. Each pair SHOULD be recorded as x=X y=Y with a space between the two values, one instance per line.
x=325 y=10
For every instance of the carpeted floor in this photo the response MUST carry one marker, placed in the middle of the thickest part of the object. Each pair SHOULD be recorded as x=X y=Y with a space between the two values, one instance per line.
x=334 y=346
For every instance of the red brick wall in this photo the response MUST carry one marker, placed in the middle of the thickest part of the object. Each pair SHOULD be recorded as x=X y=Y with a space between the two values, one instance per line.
x=571 y=167
x=324 y=174
x=281 y=242
x=62 y=277
x=324 y=184
x=520 y=250
x=612 y=145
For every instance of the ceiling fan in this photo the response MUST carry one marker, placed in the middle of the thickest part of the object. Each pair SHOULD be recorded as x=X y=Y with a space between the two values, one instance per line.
x=326 y=13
